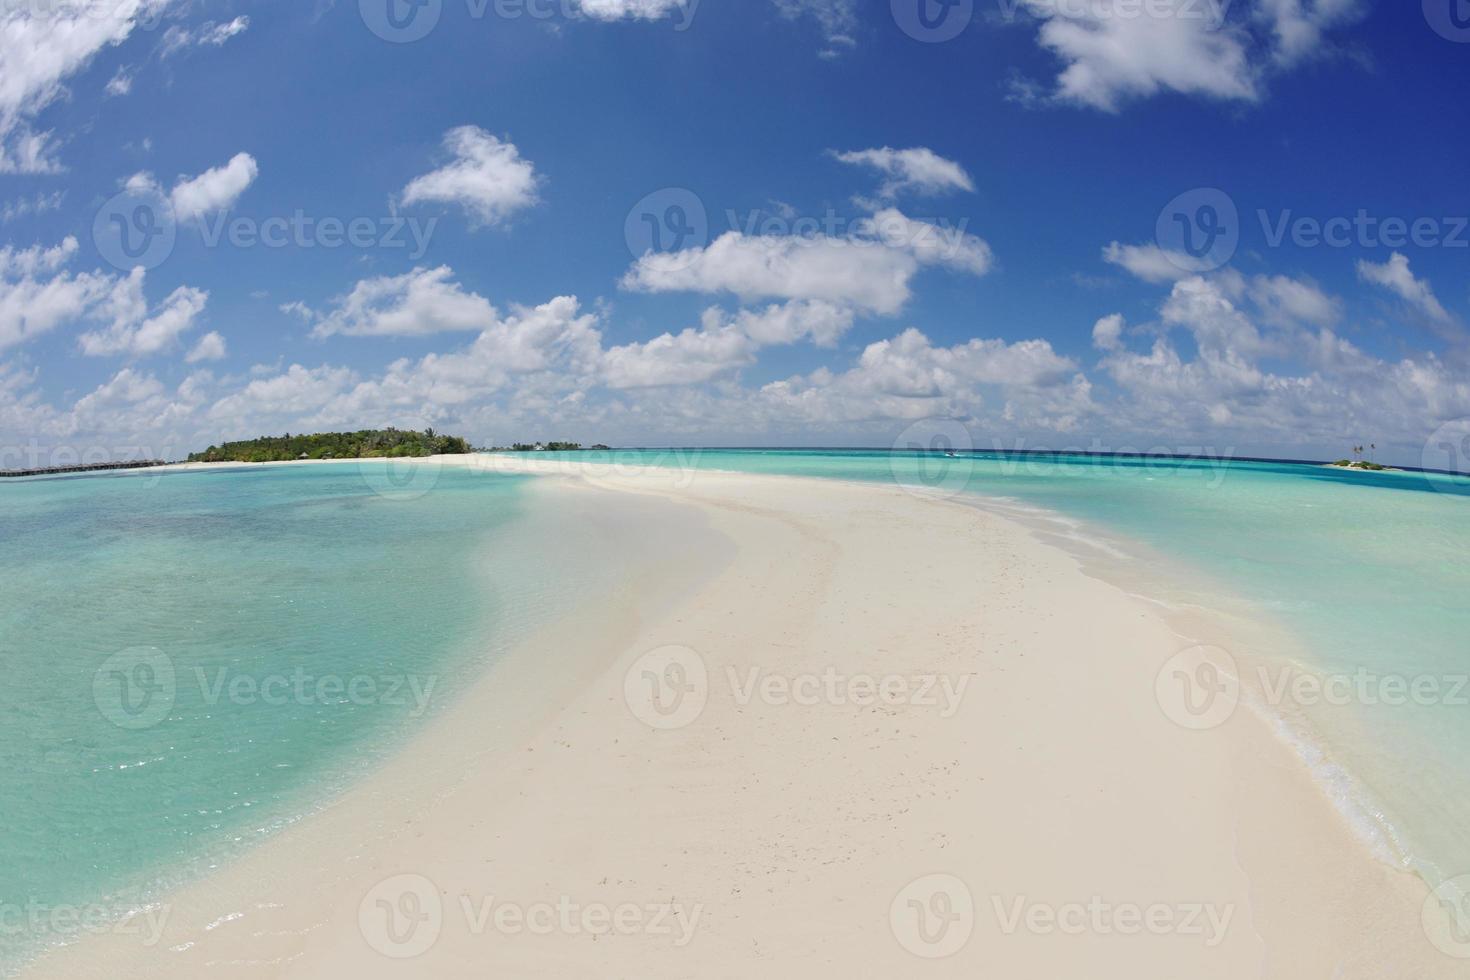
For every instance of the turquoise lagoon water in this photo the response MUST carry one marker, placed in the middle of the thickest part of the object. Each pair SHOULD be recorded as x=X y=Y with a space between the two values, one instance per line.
x=1369 y=572
x=178 y=651
x=155 y=631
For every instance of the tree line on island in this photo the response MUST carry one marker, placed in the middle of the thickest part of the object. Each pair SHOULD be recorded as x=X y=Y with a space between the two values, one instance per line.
x=387 y=443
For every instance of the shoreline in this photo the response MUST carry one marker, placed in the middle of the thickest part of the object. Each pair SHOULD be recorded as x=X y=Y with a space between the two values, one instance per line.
x=1252 y=803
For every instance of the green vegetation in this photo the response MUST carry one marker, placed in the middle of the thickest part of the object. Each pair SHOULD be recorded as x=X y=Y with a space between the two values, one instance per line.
x=367 y=444
x=550 y=447
x=1360 y=464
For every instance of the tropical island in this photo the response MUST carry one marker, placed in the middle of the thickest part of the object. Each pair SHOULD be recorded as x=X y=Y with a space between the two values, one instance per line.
x=548 y=447
x=1358 y=462
x=1362 y=464
x=367 y=444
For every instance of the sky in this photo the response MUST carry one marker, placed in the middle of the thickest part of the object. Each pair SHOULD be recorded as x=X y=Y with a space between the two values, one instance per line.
x=1176 y=225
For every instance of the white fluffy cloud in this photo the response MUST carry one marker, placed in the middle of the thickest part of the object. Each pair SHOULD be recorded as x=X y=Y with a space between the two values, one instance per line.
x=1396 y=276
x=1113 y=55
x=487 y=177
x=38 y=294
x=42 y=47
x=1283 y=301
x=837 y=20
x=721 y=344
x=918 y=169
x=1298 y=27
x=1115 y=51
x=209 y=34
x=131 y=331
x=631 y=9
x=417 y=303
x=1107 y=333
x=1336 y=395
x=216 y=189
x=1151 y=263
x=870 y=270
x=211 y=347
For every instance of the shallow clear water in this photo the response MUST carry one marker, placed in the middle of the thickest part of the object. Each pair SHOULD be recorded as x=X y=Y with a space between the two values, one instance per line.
x=182 y=649
x=1370 y=572
x=193 y=659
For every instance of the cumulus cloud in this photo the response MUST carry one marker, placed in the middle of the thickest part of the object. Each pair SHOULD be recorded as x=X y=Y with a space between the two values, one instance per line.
x=208 y=34
x=211 y=347
x=1107 y=333
x=918 y=169
x=216 y=189
x=417 y=303
x=38 y=294
x=631 y=9
x=1117 y=51
x=1152 y=263
x=1112 y=55
x=837 y=20
x=1299 y=27
x=39 y=51
x=1283 y=301
x=131 y=331
x=121 y=82
x=1396 y=276
x=870 y=270
x=487 y=177
x=721 y=344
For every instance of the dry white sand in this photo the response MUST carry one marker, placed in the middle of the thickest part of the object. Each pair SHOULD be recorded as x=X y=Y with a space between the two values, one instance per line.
x=925 y=743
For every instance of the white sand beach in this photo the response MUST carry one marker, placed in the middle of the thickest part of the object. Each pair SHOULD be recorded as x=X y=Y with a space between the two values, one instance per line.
x=820 y=730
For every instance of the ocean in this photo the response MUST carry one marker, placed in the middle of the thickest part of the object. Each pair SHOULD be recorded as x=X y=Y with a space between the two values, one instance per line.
x=198 y=659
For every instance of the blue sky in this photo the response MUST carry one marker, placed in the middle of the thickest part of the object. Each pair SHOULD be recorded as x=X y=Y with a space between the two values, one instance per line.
x=983 y=223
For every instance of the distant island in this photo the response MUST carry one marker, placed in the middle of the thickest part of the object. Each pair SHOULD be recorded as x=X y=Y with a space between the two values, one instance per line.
x=548 y=447
x=1363 y=460
x=367 y=444
x=1361 y=464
